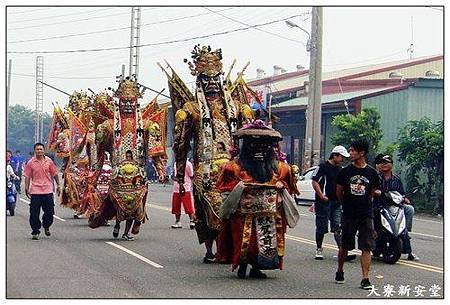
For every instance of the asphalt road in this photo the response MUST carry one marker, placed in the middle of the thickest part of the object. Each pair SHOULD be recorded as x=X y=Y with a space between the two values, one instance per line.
x=79 y=262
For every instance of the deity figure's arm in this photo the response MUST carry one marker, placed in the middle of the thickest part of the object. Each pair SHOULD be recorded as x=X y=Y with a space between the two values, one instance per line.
x=183 y=133
x=287 y=178
x=103 y=140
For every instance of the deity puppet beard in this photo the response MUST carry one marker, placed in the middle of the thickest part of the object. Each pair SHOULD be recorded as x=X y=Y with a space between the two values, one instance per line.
x=257 y=158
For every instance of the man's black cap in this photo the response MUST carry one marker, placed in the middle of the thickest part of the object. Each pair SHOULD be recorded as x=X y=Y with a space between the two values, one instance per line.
x=383 y=159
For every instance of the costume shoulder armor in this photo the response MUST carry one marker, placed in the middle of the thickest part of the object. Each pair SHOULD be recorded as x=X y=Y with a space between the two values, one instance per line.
x=191 y=108
x=247 y=112
x=180 y=116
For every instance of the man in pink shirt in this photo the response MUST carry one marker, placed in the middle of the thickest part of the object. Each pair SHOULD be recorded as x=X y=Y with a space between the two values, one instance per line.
x=39 y=174
x=186 y=199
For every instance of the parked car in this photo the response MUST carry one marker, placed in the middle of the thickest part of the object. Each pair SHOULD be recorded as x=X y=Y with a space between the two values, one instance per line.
x=304 y=185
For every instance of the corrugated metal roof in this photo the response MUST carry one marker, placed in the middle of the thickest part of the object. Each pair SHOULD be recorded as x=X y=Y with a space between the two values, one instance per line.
x=330 y=98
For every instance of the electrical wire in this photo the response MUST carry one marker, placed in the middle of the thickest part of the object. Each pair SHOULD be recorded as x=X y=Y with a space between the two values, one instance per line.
x=261 y=30
x=60 y=77
x=367 y=60
x=35 y=10
x=70 y=35
x=110 y=30
x=436 y=8
x=182 y=18
x=57 y=16
x=68 y=21
x=154 y=44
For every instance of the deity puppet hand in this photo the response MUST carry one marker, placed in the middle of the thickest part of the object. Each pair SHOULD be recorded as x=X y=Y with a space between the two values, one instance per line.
x=279 y=185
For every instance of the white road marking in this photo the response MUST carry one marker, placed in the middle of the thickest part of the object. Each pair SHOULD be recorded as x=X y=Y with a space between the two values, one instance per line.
x=427 y=220
x=159 y=207
x=59 y=218
x=358 y=252
x=144 y=259
x=427 y=235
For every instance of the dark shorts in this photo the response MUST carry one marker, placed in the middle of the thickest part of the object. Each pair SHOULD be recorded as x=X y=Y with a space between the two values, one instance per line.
x=330 y=211
x=366 y=233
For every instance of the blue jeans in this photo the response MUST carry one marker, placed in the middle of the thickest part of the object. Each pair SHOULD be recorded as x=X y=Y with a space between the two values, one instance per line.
x=328 y=211
x=409 y=213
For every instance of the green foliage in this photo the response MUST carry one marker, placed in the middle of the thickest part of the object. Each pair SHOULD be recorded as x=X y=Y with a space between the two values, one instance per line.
x=20 y=132
x=365 y=125
x=421 y=149
x=390 y=149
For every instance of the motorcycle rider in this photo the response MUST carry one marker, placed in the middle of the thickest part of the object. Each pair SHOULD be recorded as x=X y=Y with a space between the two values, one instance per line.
x=391 y=182
x=10 y=175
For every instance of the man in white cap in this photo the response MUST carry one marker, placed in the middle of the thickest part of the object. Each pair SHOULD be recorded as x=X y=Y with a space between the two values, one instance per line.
x=327 y=207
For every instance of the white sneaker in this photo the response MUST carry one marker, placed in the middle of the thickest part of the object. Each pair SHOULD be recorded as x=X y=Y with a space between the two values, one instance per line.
x=177 y=225
x=319 y=254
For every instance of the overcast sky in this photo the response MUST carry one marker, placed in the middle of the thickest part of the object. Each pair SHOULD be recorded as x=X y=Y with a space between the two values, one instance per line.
x=352 y=37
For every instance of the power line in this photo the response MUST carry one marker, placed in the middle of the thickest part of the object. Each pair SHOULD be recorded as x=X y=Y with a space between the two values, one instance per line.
x=366 y=60
x=261 y=30
x=157 y=43
x=35 y=10
x=69 y=21
x=57 y=16
x=185 y=17
x=71 y=35
x=436 y=8
x=60 y=77
x=111 y=30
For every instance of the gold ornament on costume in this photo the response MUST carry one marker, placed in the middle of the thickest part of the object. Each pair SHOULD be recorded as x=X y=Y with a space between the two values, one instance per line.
x=128 y=90
x=205 y=61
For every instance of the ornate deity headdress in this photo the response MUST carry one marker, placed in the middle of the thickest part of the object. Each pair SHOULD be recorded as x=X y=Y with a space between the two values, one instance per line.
x=128 y=90
x=78 y=101
x=205 y=61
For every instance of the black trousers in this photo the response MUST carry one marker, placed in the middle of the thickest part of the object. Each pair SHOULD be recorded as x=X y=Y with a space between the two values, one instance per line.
x=44 y=201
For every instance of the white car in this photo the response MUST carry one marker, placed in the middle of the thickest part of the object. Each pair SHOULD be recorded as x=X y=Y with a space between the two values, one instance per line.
x=304 y=185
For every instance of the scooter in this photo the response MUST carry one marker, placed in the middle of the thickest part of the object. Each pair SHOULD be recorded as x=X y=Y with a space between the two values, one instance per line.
x=390 y=224
x=11 y=197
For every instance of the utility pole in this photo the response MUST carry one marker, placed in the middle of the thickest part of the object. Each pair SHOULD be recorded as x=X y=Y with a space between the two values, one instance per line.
x=8 y=91
x=314 y=110
x=39 y=99
x=135 y=41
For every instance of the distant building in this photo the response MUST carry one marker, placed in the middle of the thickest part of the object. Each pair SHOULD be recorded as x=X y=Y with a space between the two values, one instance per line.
x=401 y=91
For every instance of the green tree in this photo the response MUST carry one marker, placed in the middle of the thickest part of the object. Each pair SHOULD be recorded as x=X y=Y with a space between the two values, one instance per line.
x=421 y=149
x=20 y=131
x=364 y=125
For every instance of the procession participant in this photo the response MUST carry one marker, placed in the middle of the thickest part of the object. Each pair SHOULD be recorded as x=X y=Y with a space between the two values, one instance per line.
x=129 y=135
x=208 y=118
x=258 y=202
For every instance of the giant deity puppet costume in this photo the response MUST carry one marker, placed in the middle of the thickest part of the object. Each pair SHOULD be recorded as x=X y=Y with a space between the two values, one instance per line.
x=130 y=136
x=257 y=187
x=208 y=117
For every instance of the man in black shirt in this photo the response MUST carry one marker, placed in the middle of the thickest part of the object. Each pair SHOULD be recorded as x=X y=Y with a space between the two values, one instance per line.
x=355 y=187
x=327 y=207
